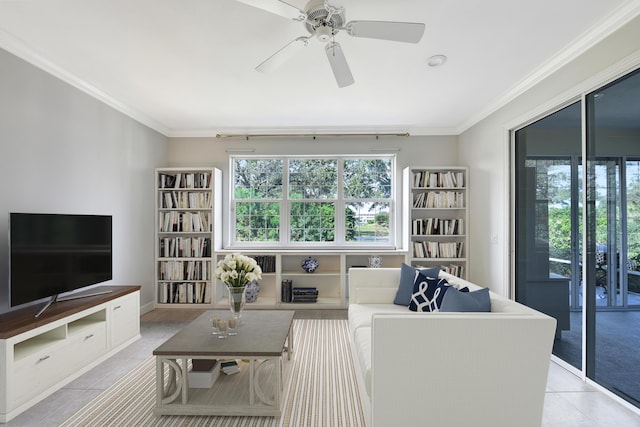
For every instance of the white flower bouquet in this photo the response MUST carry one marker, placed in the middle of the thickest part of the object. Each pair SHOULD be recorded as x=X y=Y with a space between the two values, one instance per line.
x=237 y=270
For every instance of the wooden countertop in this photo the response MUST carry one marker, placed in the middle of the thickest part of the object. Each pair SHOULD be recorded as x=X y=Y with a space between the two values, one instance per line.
x=22 y=320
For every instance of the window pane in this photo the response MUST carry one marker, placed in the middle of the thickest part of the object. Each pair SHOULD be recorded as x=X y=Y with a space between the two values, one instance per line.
x=312 y=222
x=313 y=179
x=367 y=178
x=257 y=179
x=257 y=222
x=367 y=222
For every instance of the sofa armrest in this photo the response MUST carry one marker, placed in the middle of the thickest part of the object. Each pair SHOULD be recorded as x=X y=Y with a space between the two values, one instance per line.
x=453 y=369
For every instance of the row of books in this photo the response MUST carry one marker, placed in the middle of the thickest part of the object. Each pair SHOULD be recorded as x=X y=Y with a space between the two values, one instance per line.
x=427 y=249
x=187 y=247
x=448 y=179
x=437 y=226
x=184 y=221
x=439 y=199
x=185 y=200
x=184 y=270
x=297 y=294
x=266 y=262
x=456 y=270
x=185 y=293
x=184 y=180
x=304 y=294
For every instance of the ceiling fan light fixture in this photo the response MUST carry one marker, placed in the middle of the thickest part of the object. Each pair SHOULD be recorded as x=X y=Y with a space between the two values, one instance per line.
x=323 y=33
x=436 y=60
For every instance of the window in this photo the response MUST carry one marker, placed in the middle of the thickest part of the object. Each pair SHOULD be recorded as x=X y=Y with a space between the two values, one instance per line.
x=323 y=201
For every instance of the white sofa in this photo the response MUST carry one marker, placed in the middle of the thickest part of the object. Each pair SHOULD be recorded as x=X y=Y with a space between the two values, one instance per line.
x=446 y=369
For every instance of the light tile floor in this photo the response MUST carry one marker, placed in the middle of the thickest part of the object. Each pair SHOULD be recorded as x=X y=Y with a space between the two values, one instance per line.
x=568 y=401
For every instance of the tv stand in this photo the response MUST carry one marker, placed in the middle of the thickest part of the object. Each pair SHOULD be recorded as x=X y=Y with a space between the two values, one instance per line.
x=47 y=305
x=39 y=355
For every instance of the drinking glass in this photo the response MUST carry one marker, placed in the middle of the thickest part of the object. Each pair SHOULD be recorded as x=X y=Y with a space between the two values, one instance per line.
x=214 y=325
x=233 y=326
x=222 y=328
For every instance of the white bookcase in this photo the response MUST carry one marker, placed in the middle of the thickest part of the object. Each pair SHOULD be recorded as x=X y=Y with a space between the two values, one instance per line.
x=188 y=231
x=438 y=217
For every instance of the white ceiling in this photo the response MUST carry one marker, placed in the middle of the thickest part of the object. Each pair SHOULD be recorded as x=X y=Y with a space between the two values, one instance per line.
x=186 y=67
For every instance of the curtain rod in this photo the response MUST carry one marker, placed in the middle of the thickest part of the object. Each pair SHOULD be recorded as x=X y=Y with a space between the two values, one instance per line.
x=305 y=135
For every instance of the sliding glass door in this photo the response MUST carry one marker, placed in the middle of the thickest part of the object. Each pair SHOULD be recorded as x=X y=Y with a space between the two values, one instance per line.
x=613 y=309
x=577 y=231
x=547 y=215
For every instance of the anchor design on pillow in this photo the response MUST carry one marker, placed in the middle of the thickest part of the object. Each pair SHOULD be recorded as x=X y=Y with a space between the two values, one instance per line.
x=421 y=299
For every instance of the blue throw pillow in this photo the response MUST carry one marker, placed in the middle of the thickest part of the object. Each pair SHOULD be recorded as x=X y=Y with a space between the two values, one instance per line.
x=428 y=293
x=407 y=279
x=476 y=301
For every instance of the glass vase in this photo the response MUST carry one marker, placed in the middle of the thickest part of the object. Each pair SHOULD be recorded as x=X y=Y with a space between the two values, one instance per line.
x=236 y=301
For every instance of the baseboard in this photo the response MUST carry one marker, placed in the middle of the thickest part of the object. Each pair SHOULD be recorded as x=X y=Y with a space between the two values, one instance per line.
x=146 y=308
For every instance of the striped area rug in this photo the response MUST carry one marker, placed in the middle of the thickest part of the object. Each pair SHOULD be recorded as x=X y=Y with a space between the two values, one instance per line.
x=323 y=390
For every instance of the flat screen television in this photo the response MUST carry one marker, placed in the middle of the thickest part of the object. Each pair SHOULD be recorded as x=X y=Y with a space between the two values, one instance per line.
x=51 y=254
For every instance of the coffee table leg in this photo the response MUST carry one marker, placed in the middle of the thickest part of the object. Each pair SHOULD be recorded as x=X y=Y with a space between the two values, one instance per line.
x=185 y=381
x=252 y=395
x=159 y=381
x=289 y=346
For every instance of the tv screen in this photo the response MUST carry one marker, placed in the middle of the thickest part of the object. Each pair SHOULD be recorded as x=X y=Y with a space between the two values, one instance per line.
x=50 y=254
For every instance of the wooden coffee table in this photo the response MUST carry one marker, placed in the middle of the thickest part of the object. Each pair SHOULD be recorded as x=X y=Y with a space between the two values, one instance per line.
x=259 y=346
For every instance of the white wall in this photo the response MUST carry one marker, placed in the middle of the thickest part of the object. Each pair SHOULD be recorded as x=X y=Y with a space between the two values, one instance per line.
x=485 y=147
x=413 y=151
x=62 y=151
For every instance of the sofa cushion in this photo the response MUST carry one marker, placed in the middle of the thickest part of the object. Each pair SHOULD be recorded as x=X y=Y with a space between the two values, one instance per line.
x=360 y=314
x=407 y=279
x=375 y=295
x=476 y=301
x=427 y=293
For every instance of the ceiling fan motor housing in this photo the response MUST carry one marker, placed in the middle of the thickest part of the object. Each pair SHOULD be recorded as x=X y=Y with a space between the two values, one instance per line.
x=317 y=23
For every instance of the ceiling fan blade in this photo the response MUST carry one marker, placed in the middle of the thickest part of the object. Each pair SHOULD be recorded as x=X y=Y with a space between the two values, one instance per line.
x=410 y=32
x=277 y=7
x=339 y=64
x=284 y=54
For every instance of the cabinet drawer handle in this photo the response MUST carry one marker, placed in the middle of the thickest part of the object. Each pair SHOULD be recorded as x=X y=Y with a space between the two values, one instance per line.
x=117 y=307
x=43 y=358
x=88 y=336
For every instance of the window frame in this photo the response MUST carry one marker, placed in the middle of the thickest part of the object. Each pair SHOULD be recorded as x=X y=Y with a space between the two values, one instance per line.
x=285 y=206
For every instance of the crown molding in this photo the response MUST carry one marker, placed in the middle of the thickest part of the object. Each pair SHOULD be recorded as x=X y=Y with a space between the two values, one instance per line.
x=580 y=45
x=17 y=47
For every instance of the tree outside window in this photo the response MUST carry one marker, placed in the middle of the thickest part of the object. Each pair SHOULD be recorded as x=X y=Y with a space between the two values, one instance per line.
x=302 y=196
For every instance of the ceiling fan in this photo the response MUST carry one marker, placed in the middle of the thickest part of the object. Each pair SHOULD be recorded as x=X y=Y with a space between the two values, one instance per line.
x=323 y=21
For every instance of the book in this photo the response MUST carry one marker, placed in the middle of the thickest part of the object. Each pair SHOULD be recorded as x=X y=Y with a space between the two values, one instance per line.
x=286 y=290
x=230 y=367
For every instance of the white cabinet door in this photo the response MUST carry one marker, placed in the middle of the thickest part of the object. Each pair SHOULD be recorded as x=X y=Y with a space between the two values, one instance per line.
x=125 y=318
